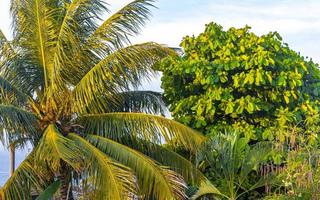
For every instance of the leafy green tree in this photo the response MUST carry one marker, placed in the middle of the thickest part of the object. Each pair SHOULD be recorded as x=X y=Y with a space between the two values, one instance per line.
x=66 y=89
x=256 y=84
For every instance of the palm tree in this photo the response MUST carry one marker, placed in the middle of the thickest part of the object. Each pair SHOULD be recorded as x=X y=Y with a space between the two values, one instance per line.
x=231 y=162
x=68 y=88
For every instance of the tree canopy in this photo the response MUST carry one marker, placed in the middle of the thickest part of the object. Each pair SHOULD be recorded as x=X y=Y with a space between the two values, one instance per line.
x=256 y=84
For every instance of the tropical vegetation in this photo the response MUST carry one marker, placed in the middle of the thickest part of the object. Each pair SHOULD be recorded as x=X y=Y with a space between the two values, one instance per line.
x=255 y=84
x=228 y=159
x=69 y=89
x=257 y=101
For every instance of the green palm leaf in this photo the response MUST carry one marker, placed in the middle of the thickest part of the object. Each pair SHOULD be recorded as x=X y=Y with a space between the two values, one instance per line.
x=15 y=120
x=77 y=15
x=6 y=52
x=49 y=191
x=34 y=23
x=10 y=94
x=181 y=165
x=133 y=101
x=116 y=29
x=118 y=71
x=140 y=101
x=30 y=175
x=154 y=180
x=54 y=147
x=206 y=189
x=17 y=67
x=111 y=180
x=151 y=128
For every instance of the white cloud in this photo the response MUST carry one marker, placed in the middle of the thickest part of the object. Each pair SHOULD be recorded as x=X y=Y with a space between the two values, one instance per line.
x=296 y=21
x=286 y=17
x=4 y=17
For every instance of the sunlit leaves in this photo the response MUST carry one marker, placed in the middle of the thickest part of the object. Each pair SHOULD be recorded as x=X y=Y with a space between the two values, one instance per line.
x=63 y=62
x=54 y=147
x=27 y=176
x=234 y=76
x=147 y=127
x=10 y=94
x=16 y=123
x=111 y=180
x=117 y=72
x=232 y=160
x=154 y=180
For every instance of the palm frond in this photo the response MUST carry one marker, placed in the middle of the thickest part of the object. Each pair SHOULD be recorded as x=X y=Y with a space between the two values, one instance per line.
x=17 y=68
x=119 y=71
x=111 y=180
x=77 y=22
x=178 y=163
x=10 y=94
x=147 y=127
x=49 y=191
x=133 y=101
x=206 y=189
x=154 y=180
x=28 y=177
x=33 y=26
x=14 y=121
x=7 y=55
x=3 y=39
x=258 y=153
x=175 y=161
x=232 y=159
x=6 y=52
x=54 y=147
x=115 y=31
x=140 y=101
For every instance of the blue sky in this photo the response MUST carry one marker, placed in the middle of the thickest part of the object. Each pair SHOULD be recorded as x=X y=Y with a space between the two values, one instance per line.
x=298 y=21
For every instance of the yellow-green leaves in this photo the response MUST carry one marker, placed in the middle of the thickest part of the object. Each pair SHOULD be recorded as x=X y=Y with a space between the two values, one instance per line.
x=147 y=127
x=16 y=123
x=117 y=72
x=54 y=148
x=115 y=31
x=229 y=108
x=110 y=179
x=154 y=180
x=206 y=189
x=29 y=175
x=234 y=76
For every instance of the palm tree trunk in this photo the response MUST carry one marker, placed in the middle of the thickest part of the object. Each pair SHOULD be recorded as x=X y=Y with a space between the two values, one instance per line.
x=12 y=158
x=65 y=178
x=64 y=187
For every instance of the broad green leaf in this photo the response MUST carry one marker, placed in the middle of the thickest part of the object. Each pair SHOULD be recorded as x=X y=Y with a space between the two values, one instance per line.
x=49 y=191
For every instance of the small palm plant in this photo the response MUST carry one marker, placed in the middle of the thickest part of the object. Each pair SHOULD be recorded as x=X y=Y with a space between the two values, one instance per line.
x=230 y=161
x=66 y=89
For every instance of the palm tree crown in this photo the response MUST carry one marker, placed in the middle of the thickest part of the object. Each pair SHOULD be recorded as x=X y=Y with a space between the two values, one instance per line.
x=66 y=87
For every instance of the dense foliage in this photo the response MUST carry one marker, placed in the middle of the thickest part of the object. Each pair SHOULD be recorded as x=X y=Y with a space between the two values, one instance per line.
x=256 y=84
x=234 y=165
